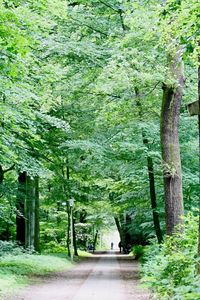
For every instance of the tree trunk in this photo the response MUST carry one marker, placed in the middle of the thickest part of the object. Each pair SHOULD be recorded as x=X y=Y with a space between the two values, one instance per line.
x=37 y=216
x=74 y=239
x=121 y=233
x=150 y=167
x=95 y=240
x=68 y=229
x=68 y=218
x=30 y=216
x=156 y=220
x=32 y=213
x=1 y=174
x=199 y=154
x=171 y=103
x=20 y=206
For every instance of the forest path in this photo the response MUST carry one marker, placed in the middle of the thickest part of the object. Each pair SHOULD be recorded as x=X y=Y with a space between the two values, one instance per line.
x=100 y=277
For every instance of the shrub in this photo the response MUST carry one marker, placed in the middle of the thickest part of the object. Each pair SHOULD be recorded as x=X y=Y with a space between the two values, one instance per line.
x=170 y=270
x=53 y=247
x=10 y=248
x=138 y=251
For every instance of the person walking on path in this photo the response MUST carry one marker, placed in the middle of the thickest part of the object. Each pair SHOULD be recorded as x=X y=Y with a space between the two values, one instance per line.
x=120 y=247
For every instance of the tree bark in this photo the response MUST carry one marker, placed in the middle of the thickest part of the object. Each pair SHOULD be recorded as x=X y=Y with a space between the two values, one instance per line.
x=68 y=229
x=95 y=240
x=156 y=219
x=199 y=153
x=121 y=233
x=152 y=188
x=20 y=206
x=1 y=175
x=68 y=218
x=74 y=239
x=171 y=103
x=30 y=213
x=37 y=216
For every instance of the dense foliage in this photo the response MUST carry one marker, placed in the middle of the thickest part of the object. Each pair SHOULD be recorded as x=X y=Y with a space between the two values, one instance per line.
x=81 y=85
x=170 y=271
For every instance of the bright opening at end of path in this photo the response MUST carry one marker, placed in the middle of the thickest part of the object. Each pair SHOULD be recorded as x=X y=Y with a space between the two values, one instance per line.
x=109 y=237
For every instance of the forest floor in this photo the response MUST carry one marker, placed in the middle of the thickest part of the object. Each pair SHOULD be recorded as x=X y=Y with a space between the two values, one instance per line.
x=108 y=276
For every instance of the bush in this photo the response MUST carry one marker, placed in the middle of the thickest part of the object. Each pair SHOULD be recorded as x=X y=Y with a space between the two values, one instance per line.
x=54 y=247
x=138 y=251
x=10 y=248
x=170 y=270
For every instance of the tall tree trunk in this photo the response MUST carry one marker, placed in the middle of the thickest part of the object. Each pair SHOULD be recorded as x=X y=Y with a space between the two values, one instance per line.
x=171 y=103
x=37 y=216
x=74 y=239
x=32 y=213
x=1 y=174
x=121 y=233
x=68 y=218
x=150 y=167
x=199 y=153
x=95 y=240
x=156 y=219
x=30 y=216
x=20 y=206
x=68 y=229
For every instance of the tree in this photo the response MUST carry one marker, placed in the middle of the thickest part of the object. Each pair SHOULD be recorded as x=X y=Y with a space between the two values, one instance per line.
x=170 y=112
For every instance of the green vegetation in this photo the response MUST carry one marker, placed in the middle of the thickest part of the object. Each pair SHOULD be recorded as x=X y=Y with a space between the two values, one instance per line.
x=18 y=269
x=170 y=270
x=138 y=251
x=93 y=102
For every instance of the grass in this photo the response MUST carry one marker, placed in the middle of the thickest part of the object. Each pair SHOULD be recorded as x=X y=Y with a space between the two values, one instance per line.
x=16 y=271
x=82 y=253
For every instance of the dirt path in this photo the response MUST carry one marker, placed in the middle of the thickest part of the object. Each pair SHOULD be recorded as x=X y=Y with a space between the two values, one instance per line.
x=101 y=277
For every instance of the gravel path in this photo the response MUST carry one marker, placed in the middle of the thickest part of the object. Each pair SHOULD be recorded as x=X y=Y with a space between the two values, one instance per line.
x=101 y=277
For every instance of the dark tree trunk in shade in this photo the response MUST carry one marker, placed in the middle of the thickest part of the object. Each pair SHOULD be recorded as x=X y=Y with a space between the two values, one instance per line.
x=37 y=215
x=30 y=213
x=68 y=229
x=170 y=112
x=156 y=219
x=1 y=174
x=121 y=233
x=95 y=240
x=150 y=167
x=20 y=206
x=68 y=218
x=27 y=205
x=74 y=239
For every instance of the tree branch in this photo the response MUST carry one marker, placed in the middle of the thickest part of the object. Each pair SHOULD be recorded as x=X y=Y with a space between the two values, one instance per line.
x=122 y=20
x=90 y=27
x=108 y=5
x=119 y=11
x=155 y=86
x=9 y=169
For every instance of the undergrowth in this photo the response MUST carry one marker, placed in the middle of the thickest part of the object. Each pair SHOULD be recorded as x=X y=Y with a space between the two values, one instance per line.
x=170 y=270
x=16 y=271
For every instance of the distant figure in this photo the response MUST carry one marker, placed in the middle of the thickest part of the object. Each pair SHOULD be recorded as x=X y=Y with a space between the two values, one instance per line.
x=112 y=246
x=90 y=247
x=120 y=247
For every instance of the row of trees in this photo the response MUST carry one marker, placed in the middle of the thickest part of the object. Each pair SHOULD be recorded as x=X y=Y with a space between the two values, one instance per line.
x=81 y=89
